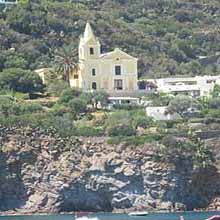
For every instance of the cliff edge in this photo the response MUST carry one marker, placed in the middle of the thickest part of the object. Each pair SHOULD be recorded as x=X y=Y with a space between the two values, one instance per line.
x=44 y=173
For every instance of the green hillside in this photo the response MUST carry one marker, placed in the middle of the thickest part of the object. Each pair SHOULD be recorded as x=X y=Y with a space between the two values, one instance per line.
x=168 y=36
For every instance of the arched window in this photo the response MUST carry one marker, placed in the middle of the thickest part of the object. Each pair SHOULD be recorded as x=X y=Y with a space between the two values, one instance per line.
x=94 y=86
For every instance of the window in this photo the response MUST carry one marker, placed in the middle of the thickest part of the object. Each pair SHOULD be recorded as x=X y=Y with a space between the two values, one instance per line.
x=118 y=84
x=117 y=70
x=76 y=76
x=210 y=81
x=91 y=50
x=93 y=72
x=94 y=86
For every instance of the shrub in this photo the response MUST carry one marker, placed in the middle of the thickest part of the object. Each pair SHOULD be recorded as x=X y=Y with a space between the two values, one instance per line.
x=57 y=87
x=134 y=140
x=59 y=110
x=121 y=130
x=30 y=108
x=63 y=125
x=89 y=131
x=176 y=149
x=181 y=103
x=117 y=117
x=143 y=122
x=77 y=106
x=99 y=97
x=68 y=95
x=8 y=106
x=213 y=113
x=214 y=103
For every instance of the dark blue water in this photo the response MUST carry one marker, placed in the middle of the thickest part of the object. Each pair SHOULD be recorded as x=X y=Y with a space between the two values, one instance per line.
x=109 y=216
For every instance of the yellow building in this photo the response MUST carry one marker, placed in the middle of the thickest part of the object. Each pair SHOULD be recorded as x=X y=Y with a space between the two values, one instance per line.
x=113 y=72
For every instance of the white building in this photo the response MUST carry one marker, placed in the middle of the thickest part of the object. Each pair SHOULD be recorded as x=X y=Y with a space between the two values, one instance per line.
x=158 y=113
x=114 y=72
x=194 y=86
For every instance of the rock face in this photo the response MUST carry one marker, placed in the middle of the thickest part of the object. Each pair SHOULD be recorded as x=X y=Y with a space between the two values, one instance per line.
x=44 y=173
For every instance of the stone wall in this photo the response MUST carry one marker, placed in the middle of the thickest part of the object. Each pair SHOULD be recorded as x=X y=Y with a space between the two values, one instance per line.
x=43 y=173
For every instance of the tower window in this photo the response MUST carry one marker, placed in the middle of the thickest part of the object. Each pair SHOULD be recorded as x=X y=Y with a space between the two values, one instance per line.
x=91 y=51
x=93 y=72
x=94 y=86
x=76 y=76
x=117 y=70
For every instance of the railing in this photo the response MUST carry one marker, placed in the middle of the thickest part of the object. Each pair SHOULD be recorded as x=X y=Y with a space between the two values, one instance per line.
x=129 y=93
x=7 y=2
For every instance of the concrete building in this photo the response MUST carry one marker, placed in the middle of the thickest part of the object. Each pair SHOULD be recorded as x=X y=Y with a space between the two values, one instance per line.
x=115 y=72
x=42 y=72
x=158 y=113
x=193 y=86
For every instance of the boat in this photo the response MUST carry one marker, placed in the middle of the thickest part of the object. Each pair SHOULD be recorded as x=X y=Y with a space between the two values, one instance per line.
x=214 y=217
x=138 y=213
x=85 y=216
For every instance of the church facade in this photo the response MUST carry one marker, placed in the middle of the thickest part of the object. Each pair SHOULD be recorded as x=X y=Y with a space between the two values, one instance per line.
x=113 y=71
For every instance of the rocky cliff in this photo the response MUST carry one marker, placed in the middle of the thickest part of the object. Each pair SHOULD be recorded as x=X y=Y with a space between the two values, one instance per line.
x=44 y=173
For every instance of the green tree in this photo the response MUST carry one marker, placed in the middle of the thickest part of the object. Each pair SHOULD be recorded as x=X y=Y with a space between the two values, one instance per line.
x=68 y=94
x=216 y=91
x=177 y=54
x=99 y=97
x=77 y=106
x=180 y=104
x=65 y=60
x=15 y=62
x=20 y=80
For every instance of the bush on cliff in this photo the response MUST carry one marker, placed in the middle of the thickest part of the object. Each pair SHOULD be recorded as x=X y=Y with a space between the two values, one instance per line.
x=143 y=122
x=8 y=106
x=121 y=130
x=77 y=106
x=67 y=95
x=57 y=87
x=134 y=140
x=30 y=108
x=87 y=131
x=175 y=149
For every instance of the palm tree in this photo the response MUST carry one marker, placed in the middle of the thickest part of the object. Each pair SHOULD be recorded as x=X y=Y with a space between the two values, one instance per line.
x=66 y=62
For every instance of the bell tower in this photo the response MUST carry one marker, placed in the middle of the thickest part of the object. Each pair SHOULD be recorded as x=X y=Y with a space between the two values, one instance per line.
x=89 y=46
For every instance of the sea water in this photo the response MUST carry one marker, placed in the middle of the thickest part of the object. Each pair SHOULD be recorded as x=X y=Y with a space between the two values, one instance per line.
x=110 y=216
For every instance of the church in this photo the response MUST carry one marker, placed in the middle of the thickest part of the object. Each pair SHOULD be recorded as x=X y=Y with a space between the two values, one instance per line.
x=113 y=72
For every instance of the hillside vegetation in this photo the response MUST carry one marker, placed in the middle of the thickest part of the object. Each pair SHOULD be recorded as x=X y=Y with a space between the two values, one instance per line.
x=64 y=149
x=168 y=37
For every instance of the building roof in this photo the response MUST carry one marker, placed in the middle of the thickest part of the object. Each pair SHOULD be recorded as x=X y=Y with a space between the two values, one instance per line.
x=117 y=53
x=88 y=33
x=88 y=36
